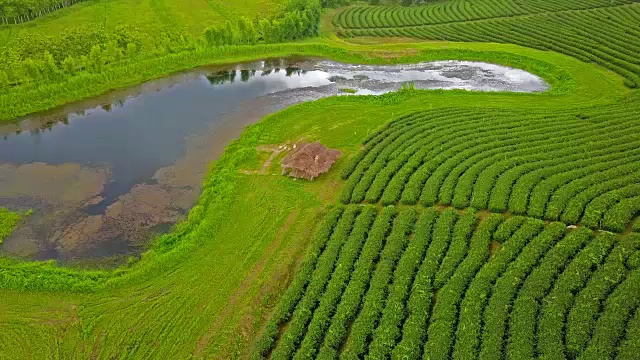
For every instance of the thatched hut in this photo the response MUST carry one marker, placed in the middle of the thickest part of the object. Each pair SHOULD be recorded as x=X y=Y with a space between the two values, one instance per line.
x=309 y=160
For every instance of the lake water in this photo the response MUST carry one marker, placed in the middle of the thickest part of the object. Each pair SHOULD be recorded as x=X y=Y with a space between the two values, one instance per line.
x=104 y=175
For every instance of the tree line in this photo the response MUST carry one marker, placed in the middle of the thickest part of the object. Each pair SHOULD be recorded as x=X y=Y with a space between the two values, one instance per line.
x=339 y=3
x=76 y=49
x=300 y=20
x=89 y=49
x=19 y=11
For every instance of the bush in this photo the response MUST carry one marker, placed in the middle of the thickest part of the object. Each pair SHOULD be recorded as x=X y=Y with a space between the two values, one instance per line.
x=389 y=329
x=373 y=303
x=559 y=300
x=526 y=307
x=339 y=279
x=316 y=287
x=355 y=290
x=586 y=308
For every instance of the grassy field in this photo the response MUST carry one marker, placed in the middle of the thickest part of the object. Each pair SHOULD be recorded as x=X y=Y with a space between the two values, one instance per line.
x=456 y=225
x=151 y=17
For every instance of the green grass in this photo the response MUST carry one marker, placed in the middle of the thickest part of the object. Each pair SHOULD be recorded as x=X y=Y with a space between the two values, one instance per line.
x=151 y=17
x=252 y=271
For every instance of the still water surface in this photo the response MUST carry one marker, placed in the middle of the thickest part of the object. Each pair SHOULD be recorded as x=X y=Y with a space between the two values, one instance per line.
x=104 y=174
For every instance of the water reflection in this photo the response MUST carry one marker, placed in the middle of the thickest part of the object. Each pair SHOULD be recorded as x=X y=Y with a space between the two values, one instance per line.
x=230 y=76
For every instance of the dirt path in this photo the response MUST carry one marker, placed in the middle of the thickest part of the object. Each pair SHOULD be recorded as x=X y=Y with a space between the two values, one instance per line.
x=275 y=150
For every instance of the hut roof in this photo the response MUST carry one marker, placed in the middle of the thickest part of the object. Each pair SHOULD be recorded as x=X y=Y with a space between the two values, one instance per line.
x=308 y=160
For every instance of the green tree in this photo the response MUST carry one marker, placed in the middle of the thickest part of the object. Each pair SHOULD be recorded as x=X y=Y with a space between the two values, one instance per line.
x=307 y=24
x=69 y=65
x=230 y=33
x=112 y=53
x=265 y=30
x=4 y=79
x=132 y=49
x=210 y=35
x=247 y=31
x=96 y=60
x=50 y=66
x=277 y=31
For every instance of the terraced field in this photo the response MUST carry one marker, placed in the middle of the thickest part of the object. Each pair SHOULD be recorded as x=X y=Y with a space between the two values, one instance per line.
x=406 y=284
x=358 y=17
x=579 y=167
x=608 y=36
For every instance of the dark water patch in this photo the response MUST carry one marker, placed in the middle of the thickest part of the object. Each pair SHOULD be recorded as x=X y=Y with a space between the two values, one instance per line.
x=105 y=175
x=112 y=191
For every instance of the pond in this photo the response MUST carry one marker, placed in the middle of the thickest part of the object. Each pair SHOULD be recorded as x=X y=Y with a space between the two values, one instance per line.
x=104 y=175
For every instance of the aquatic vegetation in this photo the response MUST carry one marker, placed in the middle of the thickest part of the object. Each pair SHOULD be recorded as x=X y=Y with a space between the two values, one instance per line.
x=8 y=222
